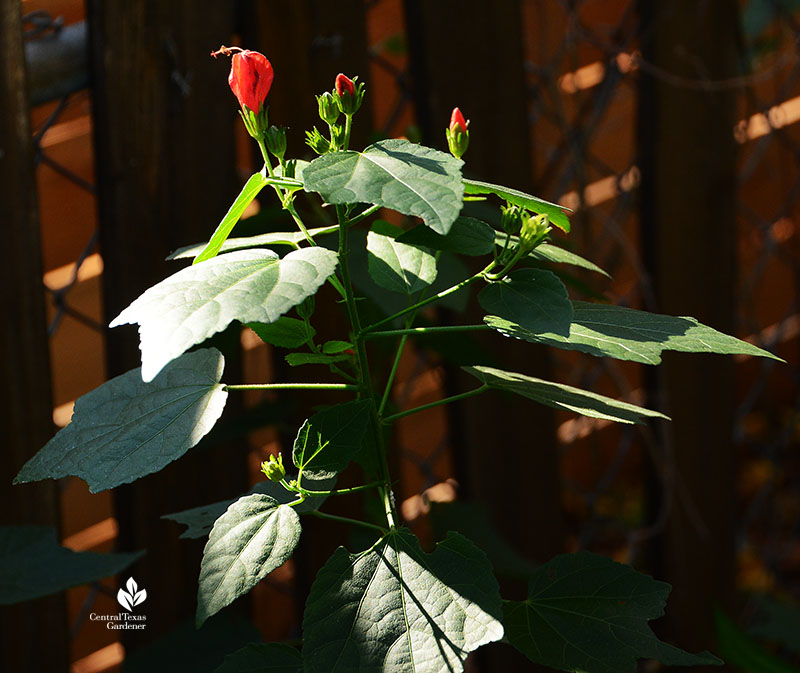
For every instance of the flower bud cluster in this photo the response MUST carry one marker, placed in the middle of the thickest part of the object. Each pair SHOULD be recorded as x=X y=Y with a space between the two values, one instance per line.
x=273 y=468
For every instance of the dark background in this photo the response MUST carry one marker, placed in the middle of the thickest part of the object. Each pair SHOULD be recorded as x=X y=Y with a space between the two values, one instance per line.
x=669 y=126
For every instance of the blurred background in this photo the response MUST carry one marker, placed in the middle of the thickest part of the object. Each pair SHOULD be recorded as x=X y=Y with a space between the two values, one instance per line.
x=670 y=127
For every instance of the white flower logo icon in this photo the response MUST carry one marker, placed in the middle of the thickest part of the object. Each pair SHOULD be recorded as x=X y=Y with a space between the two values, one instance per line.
x=127 y=599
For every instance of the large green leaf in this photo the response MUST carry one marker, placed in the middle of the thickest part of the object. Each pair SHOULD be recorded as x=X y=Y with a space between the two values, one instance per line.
x=563 y=397
x=537 y=205
x=33 y=564
x=396 y=266
x=330 y=439
x=252 y=187
x=586 y=613
x=255 y=535
x=284 y=332
x=126 y=428
x=467 y=236
x=628 y=334
x=292 y=238
x=533 y=298
x=263 y=658
x=200 y=520
x=201 y=300
x=406 y=177
x=396 y=608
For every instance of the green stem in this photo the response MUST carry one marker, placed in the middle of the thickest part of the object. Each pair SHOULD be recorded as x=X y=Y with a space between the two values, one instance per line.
x=344 y=519
x=363 y=369
x=348 y=125
x=425 y=330
x=363 y=216
x=438 y=403
x=340 y=491
x=425 y=302
x=400 y=347
x=267 y=163
x=293 y=386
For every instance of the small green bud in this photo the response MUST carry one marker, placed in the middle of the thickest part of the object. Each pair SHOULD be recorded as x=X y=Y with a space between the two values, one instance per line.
x=328 y=108
x=274 y=468
x=337 y=136
x=317 y=142
x=276 y=141
x=535 y=229
x=289 y=168
x=512 y=219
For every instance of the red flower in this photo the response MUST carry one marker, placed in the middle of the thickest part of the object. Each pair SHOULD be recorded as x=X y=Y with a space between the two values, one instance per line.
x=250 y=78
x=457 y=120
x=344 y=85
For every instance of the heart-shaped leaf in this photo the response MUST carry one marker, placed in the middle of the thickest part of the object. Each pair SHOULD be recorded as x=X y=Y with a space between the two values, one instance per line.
x=201 y=300
x=397 y=608
x=406 y=177
x=126 y=428
x=254 y=536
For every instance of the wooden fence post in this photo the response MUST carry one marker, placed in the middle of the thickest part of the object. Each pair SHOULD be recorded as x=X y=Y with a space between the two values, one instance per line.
x=164 y=122
x=33 y=636
x=688 y=227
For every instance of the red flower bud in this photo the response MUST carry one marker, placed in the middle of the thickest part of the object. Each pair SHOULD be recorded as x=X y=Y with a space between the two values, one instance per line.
x=250 y=78
x=344 y=85
x=456 y=120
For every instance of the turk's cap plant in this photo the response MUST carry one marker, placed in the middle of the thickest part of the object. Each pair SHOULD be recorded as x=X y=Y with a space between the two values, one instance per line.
x=397 y=607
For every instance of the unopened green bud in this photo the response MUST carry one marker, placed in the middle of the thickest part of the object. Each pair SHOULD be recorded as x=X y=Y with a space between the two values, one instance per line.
x=274 y=468
x=512 y=219
x=337 y=136
x=276 y=141
x=328 y=108
x=535 y=229
x=317 y=142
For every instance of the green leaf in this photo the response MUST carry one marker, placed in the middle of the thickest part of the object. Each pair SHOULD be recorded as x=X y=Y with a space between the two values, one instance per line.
x=395 y=266
x=330 y=439
x=284 y=332
x=533 y=298
x=200 y=520
x=255 y=535
x=201 y=300
x=292 y=238
x=627 y=334
x=263 y=658
x=467 y=236
x=297 y=359
x=585 y=612
x=406 y=177
x=745 y=653
x=333 y=347
x=396 y=608
x=563 y=397
x=554 y=211
x=126 y=428
x=548 y=252
x=252 y=187
x=33 y=564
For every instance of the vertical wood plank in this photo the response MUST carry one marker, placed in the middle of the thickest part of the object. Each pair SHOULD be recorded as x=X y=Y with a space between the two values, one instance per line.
x=688 y=225
x=479 y=68
x=33 y=636
x=164 y=122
